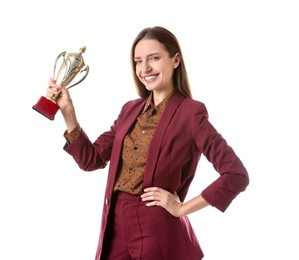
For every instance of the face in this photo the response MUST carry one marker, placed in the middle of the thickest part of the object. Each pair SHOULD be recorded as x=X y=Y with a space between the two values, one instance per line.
x=154 y=67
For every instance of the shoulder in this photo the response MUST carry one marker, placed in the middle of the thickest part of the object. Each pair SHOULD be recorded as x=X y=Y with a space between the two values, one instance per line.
x=193 y=106
x=131 y=104
x=193 y=102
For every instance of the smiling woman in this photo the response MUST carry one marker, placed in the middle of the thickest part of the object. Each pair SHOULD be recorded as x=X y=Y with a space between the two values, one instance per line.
x=153 y=148
x=154 y=68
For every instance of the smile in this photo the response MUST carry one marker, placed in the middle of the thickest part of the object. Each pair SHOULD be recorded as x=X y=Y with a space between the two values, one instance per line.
x=150 y=78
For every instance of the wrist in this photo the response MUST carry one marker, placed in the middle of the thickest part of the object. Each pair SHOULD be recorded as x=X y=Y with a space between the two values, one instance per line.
x=67 y=109
x=181 y=209
x=69 y=115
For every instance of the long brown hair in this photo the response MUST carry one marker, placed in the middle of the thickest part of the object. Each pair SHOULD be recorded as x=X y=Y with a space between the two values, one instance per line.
x=172 y=46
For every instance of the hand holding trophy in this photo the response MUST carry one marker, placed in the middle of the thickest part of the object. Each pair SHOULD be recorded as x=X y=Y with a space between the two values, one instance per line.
x=72 y=65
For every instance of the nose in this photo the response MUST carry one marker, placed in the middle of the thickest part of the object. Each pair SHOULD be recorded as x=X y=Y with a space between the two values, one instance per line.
x=146 y=66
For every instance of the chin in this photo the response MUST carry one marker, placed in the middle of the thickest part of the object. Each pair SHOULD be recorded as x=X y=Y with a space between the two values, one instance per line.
x=149 y=88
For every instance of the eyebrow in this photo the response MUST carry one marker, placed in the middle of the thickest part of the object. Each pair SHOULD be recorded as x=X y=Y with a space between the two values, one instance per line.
x=153 y=54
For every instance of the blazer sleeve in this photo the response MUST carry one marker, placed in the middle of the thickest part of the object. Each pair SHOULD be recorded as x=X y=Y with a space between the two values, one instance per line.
x=233 y=177
x=92 y=156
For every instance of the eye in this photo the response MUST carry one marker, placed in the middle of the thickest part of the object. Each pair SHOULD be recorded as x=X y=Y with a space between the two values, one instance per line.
x=155 y=58
x=137 y=62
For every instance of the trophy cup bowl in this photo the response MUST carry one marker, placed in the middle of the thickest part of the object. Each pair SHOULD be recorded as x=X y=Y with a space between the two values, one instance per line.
x=72 y=65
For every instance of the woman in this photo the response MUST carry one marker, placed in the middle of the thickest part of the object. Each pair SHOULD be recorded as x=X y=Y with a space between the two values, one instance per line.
x=154 y=147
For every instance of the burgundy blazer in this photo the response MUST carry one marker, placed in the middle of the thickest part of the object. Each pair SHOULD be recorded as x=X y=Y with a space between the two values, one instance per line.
x=183 y=134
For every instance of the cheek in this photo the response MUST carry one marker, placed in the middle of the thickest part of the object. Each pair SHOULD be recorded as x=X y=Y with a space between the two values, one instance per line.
x=170 y=72
x=137 y=72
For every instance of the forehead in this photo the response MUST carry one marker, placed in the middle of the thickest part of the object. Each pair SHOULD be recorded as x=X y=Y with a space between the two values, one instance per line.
x=147 y=47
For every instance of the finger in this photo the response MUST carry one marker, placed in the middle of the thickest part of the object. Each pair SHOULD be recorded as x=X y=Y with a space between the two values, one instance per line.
x=152 y=189
x=156 y=192
x=148 y=197
x=53 y=88
x=53 y=97
x=153 y=203
x=49 y=93
x=56 y=96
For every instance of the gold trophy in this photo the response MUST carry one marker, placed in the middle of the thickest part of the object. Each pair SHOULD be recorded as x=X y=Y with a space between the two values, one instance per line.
x=72 y=65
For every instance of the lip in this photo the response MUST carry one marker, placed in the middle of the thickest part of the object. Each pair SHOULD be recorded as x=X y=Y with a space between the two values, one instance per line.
x=150 y=78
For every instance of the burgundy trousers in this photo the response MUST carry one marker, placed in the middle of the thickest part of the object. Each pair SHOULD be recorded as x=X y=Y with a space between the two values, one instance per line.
x=130 y=234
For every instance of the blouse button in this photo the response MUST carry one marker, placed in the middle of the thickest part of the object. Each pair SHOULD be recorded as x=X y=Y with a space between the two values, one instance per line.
x=143 y=132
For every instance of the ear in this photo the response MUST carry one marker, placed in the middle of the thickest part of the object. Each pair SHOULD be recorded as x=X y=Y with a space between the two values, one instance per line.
x=177 y=60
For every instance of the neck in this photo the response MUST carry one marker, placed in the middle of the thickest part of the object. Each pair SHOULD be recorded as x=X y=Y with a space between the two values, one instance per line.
x=159 y=96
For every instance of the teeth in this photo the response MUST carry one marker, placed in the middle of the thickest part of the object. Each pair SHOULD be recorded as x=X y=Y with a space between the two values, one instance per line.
x=149 y=77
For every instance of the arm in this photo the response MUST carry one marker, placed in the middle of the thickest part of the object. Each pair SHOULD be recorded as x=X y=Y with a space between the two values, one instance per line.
x=64 y=101
x=171 y=202
x=89 y=156
x=233 y=177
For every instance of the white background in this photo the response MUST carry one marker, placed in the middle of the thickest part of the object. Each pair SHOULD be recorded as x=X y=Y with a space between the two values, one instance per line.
x=243 y=61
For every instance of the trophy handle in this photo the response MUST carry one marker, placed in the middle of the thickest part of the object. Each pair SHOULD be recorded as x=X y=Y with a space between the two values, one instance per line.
x=58 y=57
x=86 y=73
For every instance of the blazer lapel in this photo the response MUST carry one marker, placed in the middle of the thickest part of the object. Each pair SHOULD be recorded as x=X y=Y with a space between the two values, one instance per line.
x=128 y=121
x=154 y=148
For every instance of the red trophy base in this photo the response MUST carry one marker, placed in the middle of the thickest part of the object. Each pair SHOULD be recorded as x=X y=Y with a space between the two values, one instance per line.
x=46 y=107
